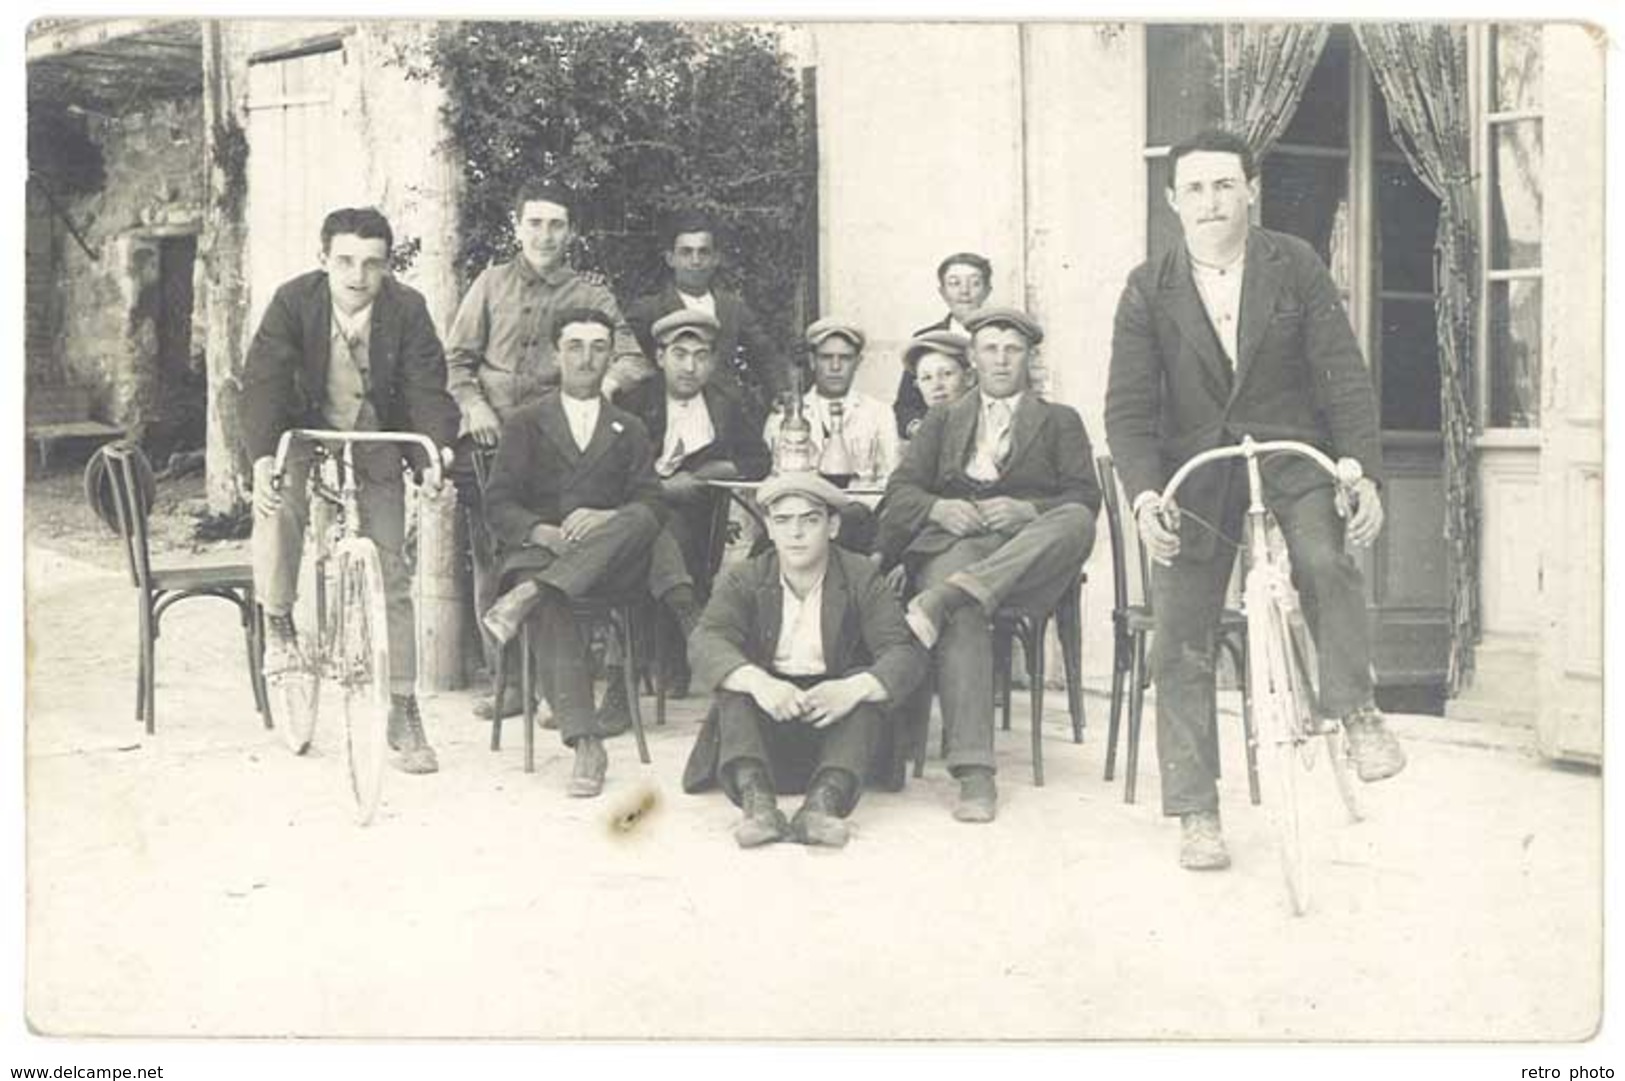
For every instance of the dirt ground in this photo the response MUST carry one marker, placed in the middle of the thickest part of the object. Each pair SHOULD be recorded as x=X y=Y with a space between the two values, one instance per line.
x=205 y=882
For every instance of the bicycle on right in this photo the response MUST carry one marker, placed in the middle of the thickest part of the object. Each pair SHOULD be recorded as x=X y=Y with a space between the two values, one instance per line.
x=1286 y=727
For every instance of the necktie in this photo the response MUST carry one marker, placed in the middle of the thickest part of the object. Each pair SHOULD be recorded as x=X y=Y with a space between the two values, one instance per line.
x=998 y=413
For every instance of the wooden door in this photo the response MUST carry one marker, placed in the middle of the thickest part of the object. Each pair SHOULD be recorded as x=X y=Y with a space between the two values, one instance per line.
x=304 y=161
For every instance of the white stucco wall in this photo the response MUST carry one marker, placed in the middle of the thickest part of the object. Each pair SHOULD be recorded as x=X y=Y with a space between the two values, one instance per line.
x=919 y=130
x=1021 y=142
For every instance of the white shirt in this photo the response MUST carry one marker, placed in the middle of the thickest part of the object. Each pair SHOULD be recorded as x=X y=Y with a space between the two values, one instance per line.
x=582 y=413
x=868 y=425
x=1220 y=290
x=800 y=649
x=706 y=303
x=688 y=425
x=984 y=464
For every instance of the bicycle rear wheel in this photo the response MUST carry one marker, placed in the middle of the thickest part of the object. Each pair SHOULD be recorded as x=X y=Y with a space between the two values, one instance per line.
x=361 y=660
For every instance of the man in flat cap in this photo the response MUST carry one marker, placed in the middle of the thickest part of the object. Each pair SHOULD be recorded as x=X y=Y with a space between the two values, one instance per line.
x=499 y=354
x=994 y=504
x=701 y=433
x=805 y=647
x=837 y=353
x=964 y=279
x=746 y=362
x=576 y=506
x=1239 y=331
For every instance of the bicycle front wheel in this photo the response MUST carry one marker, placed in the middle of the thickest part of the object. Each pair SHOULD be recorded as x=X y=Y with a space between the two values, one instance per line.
x=1282 y=700
x=362 y=661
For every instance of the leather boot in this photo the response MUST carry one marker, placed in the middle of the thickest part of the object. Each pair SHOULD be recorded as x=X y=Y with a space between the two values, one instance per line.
x=406 y=736
x=763 y=823
x=507 y=613
x=978 y=795
x=592 y=762
x=819 y=821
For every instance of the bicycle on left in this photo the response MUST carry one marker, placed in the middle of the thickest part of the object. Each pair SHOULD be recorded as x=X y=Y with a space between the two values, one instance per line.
x=350 y=648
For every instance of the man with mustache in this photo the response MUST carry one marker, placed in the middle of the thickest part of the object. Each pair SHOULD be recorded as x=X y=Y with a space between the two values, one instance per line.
x=1239 y=331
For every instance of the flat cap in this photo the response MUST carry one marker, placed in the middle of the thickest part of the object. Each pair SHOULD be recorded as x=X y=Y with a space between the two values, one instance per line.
x=829 y=326
x=1014 y=318
x=549 y=191
x=802 y=482
x=670 y=325
x=947 y=342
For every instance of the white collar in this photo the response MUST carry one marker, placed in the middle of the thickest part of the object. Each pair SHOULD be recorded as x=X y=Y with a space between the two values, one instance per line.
x=812 y=591
x=352 y=325
x=1012 y=400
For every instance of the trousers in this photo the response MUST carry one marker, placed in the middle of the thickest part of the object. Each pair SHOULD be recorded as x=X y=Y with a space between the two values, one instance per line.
x=278 y=545
x=795 y=753
x=614 y=555
x=1187 y=600
x=1028 y=569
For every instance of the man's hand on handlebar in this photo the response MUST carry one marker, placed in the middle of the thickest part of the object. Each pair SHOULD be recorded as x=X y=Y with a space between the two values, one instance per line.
x=1366 y=518
x=267 y=500
x=1158 y=522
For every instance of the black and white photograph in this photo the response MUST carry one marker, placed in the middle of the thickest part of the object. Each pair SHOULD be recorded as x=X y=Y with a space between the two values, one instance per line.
x=572 y=527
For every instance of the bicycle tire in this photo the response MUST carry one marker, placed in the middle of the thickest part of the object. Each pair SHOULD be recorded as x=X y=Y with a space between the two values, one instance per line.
x=1277 y=702
x=297 y=692
x=361 y=656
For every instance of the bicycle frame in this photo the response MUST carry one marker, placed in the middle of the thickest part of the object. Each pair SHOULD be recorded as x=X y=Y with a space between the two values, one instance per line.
x=1281 y=661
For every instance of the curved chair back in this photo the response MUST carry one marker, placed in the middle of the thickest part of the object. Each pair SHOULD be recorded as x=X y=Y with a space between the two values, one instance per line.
x=120 y=487
x=1112 y=499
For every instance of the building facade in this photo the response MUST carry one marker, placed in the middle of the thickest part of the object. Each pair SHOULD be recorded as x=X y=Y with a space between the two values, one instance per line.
x=1043 y=145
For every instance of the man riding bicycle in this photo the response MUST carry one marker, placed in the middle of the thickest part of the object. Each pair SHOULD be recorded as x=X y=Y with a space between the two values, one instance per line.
x=1239 y=331
x=345 y=347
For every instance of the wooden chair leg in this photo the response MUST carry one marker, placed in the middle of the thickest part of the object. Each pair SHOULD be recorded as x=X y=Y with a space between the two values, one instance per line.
x=499 y=683
x=148 y=711
x=1121 y=646
x=1070 y=632
x=1034 y=648
x=920 y=738
x=1136 y=706
x=1004 y=658
x=527 y=687
x=630 y=674
x=657 y=664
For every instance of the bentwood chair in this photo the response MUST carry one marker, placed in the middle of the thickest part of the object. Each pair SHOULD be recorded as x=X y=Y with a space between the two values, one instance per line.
x=1132 y=625
x=120 y=488
x=629 y=617
x=1011 y=625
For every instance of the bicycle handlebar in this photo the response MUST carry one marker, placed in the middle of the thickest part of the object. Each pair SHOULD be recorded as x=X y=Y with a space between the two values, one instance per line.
x=434 y=477
x=1346 y=471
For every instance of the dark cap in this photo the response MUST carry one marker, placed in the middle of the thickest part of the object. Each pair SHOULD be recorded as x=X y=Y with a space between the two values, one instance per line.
x=805 y=483
x=830 y=326
x=684 y=320
x=1014 y=318
x=949 y=343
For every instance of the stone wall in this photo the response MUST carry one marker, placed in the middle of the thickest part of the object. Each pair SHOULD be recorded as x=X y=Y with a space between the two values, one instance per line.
x=107 y=337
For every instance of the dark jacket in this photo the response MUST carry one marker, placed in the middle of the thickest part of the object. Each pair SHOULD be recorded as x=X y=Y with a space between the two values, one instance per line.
x=1050 y=465
x=539 y=475
x=863 y=631
x=909 y=405
x=1299 y=375
x=285 y=377
x=741 y=346
x=737 y=439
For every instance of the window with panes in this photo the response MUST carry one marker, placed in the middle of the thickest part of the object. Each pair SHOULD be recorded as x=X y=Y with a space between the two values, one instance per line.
x=1337 y=180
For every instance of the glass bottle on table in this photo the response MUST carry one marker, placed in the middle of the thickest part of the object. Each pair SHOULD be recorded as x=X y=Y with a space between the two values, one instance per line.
x=793 y=449
x=836 y=462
